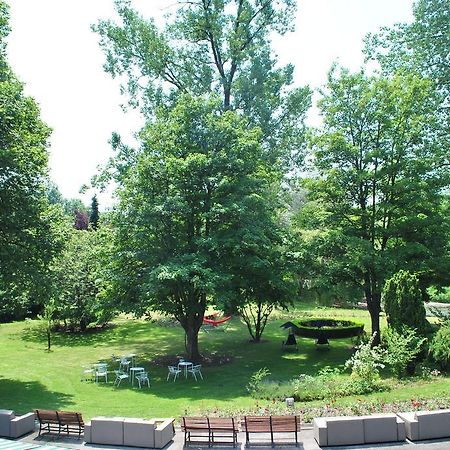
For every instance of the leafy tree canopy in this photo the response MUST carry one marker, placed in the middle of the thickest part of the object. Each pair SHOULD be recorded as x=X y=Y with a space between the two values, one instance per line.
x=192 y=213
x=212 y=46
x=378 y=196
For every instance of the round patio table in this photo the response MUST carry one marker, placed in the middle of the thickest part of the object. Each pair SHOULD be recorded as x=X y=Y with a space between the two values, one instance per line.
x=184 y=365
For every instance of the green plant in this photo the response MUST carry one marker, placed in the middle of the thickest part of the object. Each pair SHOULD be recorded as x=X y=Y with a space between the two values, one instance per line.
x=367 y=361
x=440 y=346
x=402 y=350
x=440 y=295
x=328 y=328
x=403 y=302
x=256 y=379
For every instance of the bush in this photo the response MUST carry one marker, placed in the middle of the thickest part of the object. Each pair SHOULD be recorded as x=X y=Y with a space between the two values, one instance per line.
x=329 y=328
x=329 y=383
x=439 y=295
x=402 y=350
x=366 y=363
x=440 y=346
x=403 y=303
x=254 y=386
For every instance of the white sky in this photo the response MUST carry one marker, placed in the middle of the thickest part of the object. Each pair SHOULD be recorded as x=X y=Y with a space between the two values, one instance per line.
x=54 y=52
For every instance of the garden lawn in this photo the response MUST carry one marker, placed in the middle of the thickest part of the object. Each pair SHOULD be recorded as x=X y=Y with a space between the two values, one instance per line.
x=31 y=377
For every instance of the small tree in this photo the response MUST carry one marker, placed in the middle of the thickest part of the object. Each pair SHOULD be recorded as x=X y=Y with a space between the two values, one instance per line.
x=403 y=302
x=402 y=350
x=367 y=361
x=94 y=216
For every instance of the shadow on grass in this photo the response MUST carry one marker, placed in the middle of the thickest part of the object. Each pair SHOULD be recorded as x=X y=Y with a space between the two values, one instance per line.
x=128 y=334
x=24 y=396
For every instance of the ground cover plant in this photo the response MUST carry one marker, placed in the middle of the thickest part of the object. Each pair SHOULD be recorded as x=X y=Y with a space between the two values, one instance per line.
x=32 y=377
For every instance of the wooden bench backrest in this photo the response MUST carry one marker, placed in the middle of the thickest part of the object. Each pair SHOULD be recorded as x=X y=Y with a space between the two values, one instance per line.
x=223 y=423
x=266 y=424
x=257 y=424
x=195 y=422
x=70 y=417
x=46 y=415
x=285 y=424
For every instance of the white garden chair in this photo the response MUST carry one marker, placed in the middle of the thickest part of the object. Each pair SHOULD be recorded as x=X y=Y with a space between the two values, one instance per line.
x=120 y=375
x=173 y=371
x=124 y=364
x=101 y=371
x=142 y=378
x=196 y=370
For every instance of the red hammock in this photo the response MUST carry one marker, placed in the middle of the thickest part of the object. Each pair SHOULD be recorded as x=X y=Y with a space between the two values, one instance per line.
x=215 y=323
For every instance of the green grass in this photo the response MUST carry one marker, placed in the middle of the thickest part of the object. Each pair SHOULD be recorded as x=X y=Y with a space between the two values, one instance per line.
x=31 y=377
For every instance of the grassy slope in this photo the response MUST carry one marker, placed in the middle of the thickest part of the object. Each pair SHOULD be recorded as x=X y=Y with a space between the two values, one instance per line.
x=31 y=377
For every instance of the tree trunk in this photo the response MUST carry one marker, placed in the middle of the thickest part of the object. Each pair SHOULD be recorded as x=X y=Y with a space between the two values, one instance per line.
x=49 y=339
x=373 y=299
x=192 y=344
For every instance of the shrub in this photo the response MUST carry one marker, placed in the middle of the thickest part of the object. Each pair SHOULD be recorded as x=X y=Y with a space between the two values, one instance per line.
x=329 y=328
x=440 y=346
x=403 y=302
x=402 y=350
x=366 y=363
x=440 y=295
x=254 y=386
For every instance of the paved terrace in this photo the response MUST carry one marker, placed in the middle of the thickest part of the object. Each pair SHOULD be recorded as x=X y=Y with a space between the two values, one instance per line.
x=306 y=442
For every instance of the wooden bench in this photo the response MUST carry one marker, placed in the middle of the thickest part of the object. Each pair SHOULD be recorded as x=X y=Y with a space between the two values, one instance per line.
x=57 y=421
x=212 y=428
x=271 y=425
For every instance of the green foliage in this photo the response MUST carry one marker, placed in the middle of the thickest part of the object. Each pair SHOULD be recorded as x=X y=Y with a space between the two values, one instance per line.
x=402 y=350
x=366 y=363
x=196 y=222
x=220 y=47
x=403 y=303
x=327 y=384
x=27 y=241
x=254 y=385
x=78 y=283
x=94 y=215
x=329 y=328
x=378 y=194
x=439 y=347
x=421 y=46
x=439 y=295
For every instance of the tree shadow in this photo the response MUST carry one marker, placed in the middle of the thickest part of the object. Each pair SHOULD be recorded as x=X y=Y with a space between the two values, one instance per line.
x=24 y=396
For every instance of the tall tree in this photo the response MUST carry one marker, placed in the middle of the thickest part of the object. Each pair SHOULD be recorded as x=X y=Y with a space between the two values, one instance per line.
x=194 y=200
x=25 y=219
x=380 y=183
x=212 y=46
x=94 y=215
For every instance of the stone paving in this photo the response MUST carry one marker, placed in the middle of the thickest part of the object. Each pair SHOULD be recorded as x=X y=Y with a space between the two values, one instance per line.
x=306 y=442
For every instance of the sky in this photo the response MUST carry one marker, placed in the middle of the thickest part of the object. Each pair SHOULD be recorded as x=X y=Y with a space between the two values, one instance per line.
x=54 y=52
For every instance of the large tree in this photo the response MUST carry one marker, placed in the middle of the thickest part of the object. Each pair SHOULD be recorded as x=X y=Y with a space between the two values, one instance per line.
x=25 y=219
x=212 y=46
x=380 y=184
x=192 y=214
